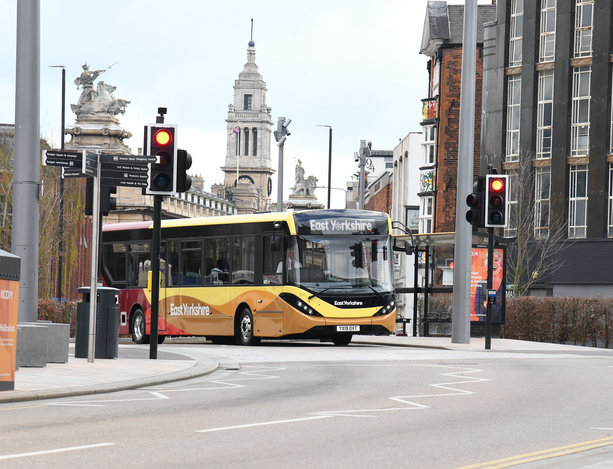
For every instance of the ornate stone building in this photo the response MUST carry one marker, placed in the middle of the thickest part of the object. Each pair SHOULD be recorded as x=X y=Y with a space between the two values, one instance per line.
x=247 y=167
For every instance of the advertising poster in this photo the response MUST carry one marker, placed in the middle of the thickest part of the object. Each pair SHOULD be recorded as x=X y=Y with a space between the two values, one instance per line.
x=9 y=298
x=478 y=286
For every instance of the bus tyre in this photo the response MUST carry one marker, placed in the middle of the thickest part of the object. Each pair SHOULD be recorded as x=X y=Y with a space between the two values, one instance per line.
x=342 y=339
x=244 y=333
x=139 y=335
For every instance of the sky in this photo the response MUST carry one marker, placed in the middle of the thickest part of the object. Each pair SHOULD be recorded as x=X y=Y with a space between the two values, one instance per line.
x=351 y=64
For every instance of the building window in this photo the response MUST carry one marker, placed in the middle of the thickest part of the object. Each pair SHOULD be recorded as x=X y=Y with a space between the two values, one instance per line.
x=246 y=141
x=425 y=214
x=411 y=218
x=580 y=113
x=512 y=211
x=248 y=102
x=516 y=32
x=513 y=112
x=255 y=142
x=577 y=202
x=548 y=30
x=544 y=115
x=584 y=25
x=429 y=143
x=542 y=190
x=610 y=230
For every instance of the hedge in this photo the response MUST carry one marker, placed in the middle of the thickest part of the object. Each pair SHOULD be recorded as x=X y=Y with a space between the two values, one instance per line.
x=54 y=311
x=578 y=321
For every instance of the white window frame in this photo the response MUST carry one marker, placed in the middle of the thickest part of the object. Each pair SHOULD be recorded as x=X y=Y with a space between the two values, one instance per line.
x=542 y=198
x=584 y=26
x=513 y=196
x=580 y=112
x=544 y=129
x=577 y=201
x=429 y=132
x=547 y=47
x=516 y=32
x=426 y=208
x=513 y=117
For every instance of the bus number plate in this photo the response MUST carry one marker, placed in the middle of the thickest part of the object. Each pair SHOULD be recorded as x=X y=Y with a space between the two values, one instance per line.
x=347 y=328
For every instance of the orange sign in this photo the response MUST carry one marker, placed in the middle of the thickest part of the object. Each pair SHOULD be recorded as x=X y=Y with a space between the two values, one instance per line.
x=9 y=300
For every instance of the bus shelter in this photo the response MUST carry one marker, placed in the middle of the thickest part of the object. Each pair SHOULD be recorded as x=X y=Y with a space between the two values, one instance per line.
x=422 y=246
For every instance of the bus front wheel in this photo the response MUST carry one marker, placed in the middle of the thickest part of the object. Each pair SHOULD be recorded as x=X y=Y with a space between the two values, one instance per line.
x=139 y=335
x=244 y=333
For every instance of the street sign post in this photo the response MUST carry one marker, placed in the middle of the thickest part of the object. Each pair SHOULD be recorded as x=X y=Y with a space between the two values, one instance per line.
x=90 y=163
x=63 y=158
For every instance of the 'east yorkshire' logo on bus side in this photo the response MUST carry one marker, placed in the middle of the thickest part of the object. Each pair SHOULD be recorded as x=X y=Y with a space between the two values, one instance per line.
x=339 y=225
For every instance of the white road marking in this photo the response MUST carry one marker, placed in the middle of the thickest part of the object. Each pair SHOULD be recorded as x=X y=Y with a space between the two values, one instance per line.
x=261 y=424
x=53 y=451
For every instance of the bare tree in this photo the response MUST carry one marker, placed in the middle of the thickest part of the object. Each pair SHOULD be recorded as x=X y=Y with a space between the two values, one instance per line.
x=541 y=235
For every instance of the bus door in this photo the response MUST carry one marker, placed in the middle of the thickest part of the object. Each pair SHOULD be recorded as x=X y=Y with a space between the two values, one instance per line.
x=164 y=282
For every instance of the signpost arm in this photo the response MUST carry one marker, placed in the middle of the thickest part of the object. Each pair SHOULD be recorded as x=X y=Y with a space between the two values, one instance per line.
x=93 y=297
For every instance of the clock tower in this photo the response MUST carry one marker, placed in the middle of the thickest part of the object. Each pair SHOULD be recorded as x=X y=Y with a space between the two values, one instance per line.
x=247 y=166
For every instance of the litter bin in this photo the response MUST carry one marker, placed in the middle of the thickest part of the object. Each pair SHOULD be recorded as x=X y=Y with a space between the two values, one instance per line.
x=107 y=324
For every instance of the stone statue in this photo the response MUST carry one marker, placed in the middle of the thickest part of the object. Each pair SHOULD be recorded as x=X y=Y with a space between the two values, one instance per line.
x=303 y=187
x=96 y=101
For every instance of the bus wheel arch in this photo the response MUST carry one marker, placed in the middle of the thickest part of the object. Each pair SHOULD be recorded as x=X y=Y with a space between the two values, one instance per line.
x=138 y=325
x=244 y=326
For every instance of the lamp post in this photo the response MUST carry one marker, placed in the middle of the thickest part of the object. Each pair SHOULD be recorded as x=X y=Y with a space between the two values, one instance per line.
x=60 y=265
x=329 y=160
x=361 y=158
x=281 y=135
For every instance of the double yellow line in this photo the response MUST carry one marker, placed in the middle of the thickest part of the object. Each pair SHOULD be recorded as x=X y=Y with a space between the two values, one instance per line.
x=542 y=455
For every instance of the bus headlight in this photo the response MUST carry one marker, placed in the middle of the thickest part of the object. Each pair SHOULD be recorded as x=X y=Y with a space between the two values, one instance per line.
x=299 y=304
x=388 y=308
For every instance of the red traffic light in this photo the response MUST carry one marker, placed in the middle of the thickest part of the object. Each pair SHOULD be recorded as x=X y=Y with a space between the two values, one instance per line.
x=162 y=137
x=496 y=184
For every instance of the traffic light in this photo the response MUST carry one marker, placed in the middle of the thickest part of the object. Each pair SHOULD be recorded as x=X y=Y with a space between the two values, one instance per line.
x=161 y=143
x=496 y=200
x=184 y=162
x=356 y=253
x=107 y=203
x=475 y=201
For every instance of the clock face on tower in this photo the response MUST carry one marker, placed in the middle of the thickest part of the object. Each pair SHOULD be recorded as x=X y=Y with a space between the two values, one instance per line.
x=269 y=186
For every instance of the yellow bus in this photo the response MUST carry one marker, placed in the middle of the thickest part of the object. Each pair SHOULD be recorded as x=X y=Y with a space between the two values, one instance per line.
x=323 y=274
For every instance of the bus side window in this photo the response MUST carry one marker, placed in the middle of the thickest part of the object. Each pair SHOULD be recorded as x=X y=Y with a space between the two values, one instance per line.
x=273 y=255
x=173 y=260
x=139 y=254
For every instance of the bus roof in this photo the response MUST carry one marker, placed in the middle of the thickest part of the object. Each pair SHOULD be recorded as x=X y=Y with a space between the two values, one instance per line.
x=287 y=217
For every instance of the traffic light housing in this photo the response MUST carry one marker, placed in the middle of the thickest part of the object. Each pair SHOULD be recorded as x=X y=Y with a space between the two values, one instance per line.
x=476 y=203
x=356 y=253
x=107 y=203
x=160 y=142
x=496 y=200
x=184 y=162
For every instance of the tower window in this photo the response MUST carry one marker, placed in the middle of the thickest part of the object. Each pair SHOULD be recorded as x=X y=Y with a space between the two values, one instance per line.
x=248 y=102
x=246 y=141
x=255 y=142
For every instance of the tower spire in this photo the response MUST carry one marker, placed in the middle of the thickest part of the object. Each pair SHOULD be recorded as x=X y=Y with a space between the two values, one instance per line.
x=251 y=43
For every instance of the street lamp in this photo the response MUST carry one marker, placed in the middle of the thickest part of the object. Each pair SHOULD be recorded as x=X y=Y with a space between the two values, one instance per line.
x=329 y=160
x=60 y=265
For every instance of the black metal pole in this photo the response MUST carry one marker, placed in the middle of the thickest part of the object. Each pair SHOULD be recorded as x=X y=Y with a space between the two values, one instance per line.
x=329 y=167
x=490 y=269
x=415 y=286
x=426 y=294
x=60 y=265
x=155 y=275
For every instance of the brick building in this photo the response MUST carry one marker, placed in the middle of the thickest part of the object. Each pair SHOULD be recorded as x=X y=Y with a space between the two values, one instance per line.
x=442 y=42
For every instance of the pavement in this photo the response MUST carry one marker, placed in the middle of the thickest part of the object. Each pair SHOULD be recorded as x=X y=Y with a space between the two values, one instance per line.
x=133 y=368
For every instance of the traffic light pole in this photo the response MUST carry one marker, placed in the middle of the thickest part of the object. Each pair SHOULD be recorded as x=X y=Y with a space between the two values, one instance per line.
x=490 y=273
x=155 y=275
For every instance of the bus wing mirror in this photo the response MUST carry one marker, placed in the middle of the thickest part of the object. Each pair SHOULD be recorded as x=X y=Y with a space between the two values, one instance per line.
x=408 y=249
